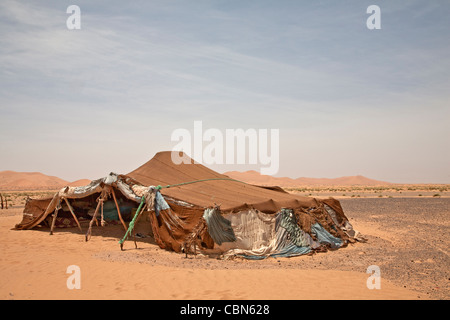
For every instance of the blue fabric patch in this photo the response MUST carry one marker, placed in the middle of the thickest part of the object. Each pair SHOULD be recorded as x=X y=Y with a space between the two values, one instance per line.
x=219 y=228
x=160 y=203
x=291 y=250
x=325 y=237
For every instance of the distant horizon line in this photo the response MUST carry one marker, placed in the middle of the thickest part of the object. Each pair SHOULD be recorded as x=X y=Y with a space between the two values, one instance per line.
x=225 y=172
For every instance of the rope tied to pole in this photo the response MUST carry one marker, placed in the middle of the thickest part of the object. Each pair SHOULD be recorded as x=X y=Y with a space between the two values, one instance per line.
x=131 y=225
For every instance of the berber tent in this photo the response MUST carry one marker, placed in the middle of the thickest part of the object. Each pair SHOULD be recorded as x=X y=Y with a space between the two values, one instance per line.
x=192 y=208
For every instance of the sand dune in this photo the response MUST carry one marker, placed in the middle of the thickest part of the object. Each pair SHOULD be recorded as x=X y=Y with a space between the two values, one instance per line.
x=254 y=177
x=12 y=180
x=79 y=183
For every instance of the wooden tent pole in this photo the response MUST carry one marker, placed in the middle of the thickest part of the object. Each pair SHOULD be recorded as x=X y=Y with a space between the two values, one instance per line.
x=102 y=221
x=118 y=209
x=54 y=216
x=73 y=213
x=88 y=233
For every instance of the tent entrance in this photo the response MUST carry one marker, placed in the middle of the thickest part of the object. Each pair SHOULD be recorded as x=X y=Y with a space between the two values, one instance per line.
x=103 y=208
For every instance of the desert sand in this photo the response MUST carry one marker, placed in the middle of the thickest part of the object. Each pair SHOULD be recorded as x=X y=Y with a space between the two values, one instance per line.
x=407 y=239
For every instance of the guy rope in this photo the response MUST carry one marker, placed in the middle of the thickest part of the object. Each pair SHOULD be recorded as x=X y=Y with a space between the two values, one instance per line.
x=132 y=223
x=143 y=201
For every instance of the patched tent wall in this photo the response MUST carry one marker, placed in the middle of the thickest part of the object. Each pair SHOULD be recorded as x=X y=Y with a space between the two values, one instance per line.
x=190 y=206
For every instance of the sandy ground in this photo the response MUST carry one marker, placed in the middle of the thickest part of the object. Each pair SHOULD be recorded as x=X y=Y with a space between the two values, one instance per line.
x=408 y=240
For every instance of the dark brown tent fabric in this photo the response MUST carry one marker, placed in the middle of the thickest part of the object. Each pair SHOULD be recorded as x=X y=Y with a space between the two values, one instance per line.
x=190 y=188
x=34 y=209
x=231 y=195
x=172 y=227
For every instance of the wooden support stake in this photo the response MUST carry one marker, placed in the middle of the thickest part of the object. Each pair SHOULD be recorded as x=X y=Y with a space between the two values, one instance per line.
x=118 y=209
x=73 y=213
x=102 y=221
x=55 y=215
x=88 y=233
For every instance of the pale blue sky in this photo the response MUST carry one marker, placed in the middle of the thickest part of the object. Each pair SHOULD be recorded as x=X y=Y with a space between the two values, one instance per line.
x=347 y=100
